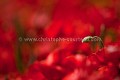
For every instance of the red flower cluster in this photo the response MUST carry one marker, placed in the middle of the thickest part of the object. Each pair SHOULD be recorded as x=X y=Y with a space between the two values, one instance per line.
x=98 y=59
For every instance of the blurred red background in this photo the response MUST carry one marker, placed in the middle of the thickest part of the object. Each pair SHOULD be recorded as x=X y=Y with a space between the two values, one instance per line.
x=61 y=60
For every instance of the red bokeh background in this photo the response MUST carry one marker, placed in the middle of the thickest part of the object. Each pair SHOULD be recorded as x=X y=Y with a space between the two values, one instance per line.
x=62 y=60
